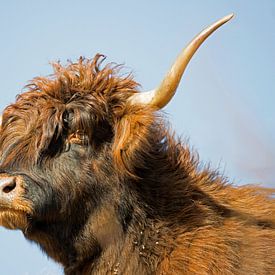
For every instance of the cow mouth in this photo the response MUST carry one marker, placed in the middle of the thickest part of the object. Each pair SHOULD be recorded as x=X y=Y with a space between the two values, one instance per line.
x=18 y=205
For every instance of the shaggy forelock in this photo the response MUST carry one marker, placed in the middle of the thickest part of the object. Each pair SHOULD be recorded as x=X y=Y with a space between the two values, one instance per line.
x=85 y=77
x=76 y=97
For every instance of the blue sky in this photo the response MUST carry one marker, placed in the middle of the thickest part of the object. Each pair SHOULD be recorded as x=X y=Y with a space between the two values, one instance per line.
x=225 y=104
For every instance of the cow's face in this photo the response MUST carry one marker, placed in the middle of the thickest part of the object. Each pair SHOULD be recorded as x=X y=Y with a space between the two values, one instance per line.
x=50 y=165
x=57 y=147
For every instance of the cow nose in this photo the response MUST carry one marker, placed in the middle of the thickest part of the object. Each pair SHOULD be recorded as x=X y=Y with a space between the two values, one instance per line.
x=7 y=186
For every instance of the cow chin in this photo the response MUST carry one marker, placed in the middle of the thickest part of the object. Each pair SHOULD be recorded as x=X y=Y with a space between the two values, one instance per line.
x=13 y=219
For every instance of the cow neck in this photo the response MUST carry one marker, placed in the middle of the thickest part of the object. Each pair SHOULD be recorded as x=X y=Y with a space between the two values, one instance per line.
x=139 y=251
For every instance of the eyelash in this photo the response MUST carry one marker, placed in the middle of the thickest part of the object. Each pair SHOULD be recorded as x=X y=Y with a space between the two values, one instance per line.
x=78 y=138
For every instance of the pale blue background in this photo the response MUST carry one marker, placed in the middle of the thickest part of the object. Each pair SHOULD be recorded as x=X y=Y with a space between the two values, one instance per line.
x=225 y=103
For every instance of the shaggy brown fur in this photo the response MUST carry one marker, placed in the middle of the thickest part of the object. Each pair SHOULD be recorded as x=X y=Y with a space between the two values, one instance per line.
x=104 y=188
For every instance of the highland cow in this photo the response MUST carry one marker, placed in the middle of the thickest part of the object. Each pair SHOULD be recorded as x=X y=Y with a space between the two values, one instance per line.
x=92 y=174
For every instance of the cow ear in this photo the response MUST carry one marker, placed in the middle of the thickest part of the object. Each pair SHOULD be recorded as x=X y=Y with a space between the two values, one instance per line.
x=131 y=139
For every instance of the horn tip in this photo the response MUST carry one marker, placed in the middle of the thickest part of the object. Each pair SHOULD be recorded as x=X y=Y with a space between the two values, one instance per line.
x=228 y=17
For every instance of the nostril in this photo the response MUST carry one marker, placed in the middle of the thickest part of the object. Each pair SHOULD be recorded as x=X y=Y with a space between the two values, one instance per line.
x=8 y=188
x=7 y=185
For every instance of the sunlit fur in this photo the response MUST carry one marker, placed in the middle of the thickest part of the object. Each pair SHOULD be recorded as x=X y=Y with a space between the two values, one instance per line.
x=108 y=189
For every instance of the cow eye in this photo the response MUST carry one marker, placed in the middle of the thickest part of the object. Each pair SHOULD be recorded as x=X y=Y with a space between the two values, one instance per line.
x=78 y=138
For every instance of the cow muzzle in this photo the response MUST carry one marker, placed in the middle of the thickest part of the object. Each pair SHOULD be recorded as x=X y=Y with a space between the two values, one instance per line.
x=14 y=207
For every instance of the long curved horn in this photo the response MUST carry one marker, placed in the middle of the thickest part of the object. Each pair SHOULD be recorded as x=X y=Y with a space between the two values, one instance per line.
x=160 y=96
